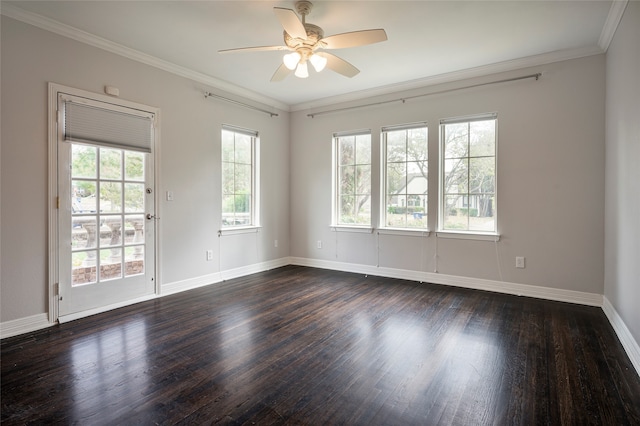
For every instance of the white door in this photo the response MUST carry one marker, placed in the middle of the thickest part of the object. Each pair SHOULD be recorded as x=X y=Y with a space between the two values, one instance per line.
x=106 y=226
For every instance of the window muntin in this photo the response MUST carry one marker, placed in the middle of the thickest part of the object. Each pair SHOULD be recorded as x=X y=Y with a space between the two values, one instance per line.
x=405 y=174
x=239 y=195
x=352 y=190
x=468 y=174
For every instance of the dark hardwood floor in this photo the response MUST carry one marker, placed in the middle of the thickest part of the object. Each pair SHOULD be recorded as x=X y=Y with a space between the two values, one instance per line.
x=307 y=346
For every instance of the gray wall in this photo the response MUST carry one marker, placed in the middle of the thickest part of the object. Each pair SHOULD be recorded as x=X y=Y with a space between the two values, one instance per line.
x=550 y=180
x=622 y=201
x=189 y=158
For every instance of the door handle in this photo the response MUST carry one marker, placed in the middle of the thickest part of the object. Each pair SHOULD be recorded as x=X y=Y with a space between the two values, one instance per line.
x=150 y=216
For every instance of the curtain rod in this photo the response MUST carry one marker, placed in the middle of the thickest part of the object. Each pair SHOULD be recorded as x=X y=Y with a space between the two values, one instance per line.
x=506 y=80
x=213 y=95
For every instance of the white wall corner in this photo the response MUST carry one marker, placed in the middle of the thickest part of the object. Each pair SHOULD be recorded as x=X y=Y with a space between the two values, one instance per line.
x=24 y=325
x=626 y=338
x=611 y=24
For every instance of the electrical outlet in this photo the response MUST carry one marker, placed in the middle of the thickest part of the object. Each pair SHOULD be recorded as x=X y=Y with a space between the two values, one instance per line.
x=519 y=262
x=209 y=254
x=319 y=244
x=275 y=243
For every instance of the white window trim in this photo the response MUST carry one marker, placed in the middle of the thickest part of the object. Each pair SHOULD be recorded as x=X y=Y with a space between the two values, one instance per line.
x=383 y=179
x=406 y=232
x=354 y=229
x=239 y=230
x=464 y=234
x=334 y=185
x=468 y=235
x=255 y=184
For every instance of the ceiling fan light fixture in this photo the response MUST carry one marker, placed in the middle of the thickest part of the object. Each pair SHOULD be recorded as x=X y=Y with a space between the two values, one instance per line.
x=318 y=62
x=302 y=71
x=291 y=60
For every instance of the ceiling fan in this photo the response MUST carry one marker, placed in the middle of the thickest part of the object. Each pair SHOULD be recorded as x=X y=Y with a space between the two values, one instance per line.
x=306 y=43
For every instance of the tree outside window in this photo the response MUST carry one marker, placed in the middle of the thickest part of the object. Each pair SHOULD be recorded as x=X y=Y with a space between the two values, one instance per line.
x=353 y=179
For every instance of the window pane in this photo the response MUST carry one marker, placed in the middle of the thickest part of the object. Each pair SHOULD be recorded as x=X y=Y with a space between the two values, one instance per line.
x=363 y=179
x=243 y=149
x=455 y=176
x=347 y=209
x=227 y=146
x=110 y=163
x=242 y=177
x=482 y=140
x=396 y=177
x=417 y=144
x=347 y=180
x=363 y=150
x=242 y=204
x=455 y=214
x=363 y=209
x=134 y=197
x=396 y=146
x=416 y=211
x=482 y=175
x=346 y=150
x=227 y=178
x=133 y=165
x=110 y=197
x=456 y=140
x=481 y=213
x=83 y=161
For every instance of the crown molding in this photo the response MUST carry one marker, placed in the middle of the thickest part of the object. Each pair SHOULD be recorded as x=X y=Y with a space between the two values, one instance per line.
x=512 y=65
x=68 y=31
x=611 y=24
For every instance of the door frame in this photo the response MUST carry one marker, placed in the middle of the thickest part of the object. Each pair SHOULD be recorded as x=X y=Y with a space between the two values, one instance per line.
x=54 y=133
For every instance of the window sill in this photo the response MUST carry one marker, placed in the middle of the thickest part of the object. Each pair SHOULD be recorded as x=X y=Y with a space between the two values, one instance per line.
x=479 y=236
x=407 y=232
x=239 y=230
x=356 y=229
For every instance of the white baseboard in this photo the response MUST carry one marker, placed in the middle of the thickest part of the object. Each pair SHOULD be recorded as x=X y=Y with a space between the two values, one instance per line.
x=571 y=296
x=628 y=342
x=217 y=277
x=24 y=325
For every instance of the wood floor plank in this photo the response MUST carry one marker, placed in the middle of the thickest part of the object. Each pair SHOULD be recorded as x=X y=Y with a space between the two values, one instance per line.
x=306 y=346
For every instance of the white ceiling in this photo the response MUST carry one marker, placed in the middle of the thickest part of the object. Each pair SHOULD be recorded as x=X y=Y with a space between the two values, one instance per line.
x=427 y=40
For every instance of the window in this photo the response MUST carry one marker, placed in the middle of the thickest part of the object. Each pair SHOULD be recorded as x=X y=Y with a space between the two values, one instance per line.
x=468 y=174
x=404 y=170
x=239 y=171
x=352 y=178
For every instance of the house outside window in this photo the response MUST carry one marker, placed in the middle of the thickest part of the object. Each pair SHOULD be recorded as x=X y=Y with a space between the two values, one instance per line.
x=468 y=149
x=239 y=177
x=352 y=179
x=405 y=176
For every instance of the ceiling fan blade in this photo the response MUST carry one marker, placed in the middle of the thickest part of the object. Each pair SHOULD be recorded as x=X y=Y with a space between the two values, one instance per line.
x=290 y=22
x=280 y=73
x=339 y=65
x=355 y=38
x=254 y=49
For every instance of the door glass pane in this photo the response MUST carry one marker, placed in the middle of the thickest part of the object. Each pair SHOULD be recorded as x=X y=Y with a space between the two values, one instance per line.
x=83 y=267
x=83 y=196
x=134 y=260
x=83 y=161
x=111 y=231
x=134 y=198
x=110 y=197
x=110 y=264
x=110 y=163
x=134 y=165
